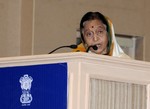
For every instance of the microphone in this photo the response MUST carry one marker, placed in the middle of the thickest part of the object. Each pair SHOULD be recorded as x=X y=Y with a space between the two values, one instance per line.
x=93 y=46
x=67 y=46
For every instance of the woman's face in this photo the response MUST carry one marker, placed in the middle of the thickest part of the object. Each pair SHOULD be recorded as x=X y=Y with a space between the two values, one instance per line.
x=94 y=33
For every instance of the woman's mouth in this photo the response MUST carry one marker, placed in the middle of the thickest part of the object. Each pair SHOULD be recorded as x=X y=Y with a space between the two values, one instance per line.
x=98 y=46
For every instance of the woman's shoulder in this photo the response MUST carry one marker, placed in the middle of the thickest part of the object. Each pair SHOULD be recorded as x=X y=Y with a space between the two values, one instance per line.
x=80 y=48
x=123 y=55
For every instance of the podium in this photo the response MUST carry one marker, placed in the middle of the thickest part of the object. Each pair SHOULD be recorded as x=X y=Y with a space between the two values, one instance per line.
x=74 y=81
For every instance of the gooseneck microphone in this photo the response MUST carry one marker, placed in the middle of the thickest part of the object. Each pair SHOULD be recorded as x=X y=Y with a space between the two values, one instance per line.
x=67 y=46
x=93 y=46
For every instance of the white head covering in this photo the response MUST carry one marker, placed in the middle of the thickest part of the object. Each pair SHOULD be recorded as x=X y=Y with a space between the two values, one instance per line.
x=115 y=49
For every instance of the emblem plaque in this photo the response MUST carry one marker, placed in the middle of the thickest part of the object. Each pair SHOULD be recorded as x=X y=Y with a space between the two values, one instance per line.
x=26 y=83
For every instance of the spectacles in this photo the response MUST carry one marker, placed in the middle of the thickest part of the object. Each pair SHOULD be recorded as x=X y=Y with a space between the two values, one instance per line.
x=98 y=30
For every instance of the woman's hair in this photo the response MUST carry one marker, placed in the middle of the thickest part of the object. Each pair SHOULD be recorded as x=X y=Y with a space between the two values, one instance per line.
x=92 y=16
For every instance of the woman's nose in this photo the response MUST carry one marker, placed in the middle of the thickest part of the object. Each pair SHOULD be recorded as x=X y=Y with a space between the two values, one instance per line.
x=95 y=38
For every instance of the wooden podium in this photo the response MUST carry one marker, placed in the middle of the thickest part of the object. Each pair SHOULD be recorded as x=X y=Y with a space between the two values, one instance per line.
x=97 y=81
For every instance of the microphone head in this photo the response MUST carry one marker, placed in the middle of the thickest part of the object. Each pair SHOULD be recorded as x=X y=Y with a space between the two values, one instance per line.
x=95 y=47
x=73 y=46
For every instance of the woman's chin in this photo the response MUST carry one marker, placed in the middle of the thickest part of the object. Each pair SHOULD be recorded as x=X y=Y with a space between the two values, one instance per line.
x=97 y=51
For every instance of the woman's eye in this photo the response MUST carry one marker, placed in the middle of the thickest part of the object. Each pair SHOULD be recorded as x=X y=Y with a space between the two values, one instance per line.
x=89 y=34
x=100 y=32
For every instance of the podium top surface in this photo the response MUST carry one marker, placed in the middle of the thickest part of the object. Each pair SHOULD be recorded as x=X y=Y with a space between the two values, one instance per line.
x=70 y=57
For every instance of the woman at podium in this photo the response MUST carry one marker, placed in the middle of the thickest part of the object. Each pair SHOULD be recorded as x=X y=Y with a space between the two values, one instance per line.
x=97 y=35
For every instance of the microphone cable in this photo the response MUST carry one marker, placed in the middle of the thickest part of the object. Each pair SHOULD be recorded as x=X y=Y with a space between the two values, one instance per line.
x=73 y=46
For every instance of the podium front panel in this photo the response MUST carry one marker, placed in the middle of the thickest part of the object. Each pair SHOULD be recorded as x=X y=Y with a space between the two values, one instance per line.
x=41 y=86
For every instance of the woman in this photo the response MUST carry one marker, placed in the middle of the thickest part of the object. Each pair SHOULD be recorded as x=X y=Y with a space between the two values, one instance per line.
x=97 y=34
